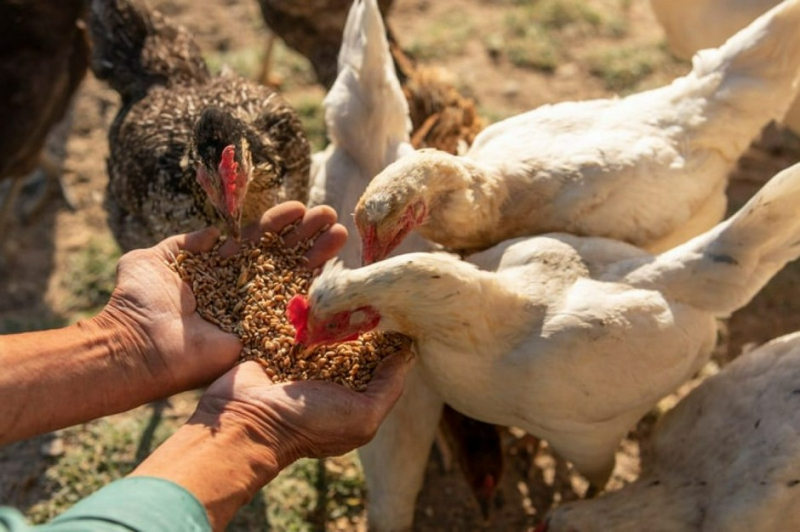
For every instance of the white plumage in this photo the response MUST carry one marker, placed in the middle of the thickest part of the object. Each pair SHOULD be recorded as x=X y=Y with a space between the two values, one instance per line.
x=649 y=169
x=692 y=25
x=569 y=338
x=727 y=457
x=366 y=115
x=368 y=123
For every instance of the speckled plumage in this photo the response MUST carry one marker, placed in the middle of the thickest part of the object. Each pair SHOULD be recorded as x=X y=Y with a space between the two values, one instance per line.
x=165 y=85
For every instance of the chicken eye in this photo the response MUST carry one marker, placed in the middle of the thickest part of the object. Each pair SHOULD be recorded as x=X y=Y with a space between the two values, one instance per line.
x=331 y=326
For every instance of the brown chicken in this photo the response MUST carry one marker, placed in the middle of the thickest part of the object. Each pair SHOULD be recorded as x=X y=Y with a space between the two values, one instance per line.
x=188 y=149
x=441 y=117
x=44 y=55
x=313 y=28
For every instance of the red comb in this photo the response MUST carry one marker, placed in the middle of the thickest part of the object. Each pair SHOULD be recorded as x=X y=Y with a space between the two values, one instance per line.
x=228 y=171
x=297 y=312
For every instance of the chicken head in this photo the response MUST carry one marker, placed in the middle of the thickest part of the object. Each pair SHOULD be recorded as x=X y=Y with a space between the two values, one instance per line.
x=410 y=194
x=224 y=170
x=342 y=326
x=379 y=238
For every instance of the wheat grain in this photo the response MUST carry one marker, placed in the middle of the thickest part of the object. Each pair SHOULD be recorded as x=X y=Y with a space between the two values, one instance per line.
x=246 y=294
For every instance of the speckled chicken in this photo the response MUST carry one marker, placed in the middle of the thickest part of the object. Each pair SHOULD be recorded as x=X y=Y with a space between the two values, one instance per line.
x=44 y=55
x=650 y=168
x=188 y=149
x=727 y=457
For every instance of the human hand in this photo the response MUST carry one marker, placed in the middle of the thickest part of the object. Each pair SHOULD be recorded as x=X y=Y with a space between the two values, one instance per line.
x=156 y=311
x=246 y=429
x=303 y=418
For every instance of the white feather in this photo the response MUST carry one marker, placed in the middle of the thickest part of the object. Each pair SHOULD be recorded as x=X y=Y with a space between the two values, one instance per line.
x=727 y=457
x=650 y=169
x=572 y=338
x=368 y=123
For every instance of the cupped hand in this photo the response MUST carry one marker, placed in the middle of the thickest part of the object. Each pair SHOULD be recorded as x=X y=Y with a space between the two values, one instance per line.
x=304 y=418
x=157 y=310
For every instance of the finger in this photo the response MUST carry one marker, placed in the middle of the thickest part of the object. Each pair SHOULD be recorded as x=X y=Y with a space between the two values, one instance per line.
x=196 y=242
x=251 y=374
x=315 y=220
x=276 y=219
x=326 y=246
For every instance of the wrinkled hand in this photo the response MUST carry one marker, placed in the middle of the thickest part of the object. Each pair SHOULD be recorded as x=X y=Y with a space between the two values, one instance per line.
x=158 y=309
x=304 y=418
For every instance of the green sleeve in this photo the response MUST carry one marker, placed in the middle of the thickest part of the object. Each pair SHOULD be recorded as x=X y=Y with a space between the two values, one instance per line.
x=135 y=504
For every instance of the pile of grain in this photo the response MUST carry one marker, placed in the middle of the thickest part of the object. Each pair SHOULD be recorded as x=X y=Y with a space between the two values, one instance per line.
x=247 y=293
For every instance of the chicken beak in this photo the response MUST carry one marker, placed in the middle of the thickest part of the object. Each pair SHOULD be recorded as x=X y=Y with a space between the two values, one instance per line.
x=234 y=230
x=368 y=256
x=373 y=251
x=302 y=351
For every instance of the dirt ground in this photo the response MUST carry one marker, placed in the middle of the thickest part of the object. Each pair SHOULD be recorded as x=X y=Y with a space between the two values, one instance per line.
x=41 y=254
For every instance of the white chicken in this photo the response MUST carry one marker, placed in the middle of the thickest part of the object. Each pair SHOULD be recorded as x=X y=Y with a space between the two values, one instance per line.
x=367 y=119
x=570 y=338
x=649 y=169
x=692 y=25
x=727 y=457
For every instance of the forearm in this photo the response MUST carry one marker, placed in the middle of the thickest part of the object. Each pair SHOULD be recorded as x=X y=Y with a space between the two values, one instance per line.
x=221 y=462
x=57 y=378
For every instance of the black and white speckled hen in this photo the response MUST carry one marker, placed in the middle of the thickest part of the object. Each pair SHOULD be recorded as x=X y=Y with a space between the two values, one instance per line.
x=188 y=149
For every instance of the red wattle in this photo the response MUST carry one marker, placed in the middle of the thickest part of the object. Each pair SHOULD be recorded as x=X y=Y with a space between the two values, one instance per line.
x=297 y=312
x=228 y=169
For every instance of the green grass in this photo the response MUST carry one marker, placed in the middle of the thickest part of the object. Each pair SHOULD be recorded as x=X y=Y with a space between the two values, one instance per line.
x=90 y=275
x=245 y=62
x=310 y=493
x=443 y=37
x=293 y=500
x=15 y=325
x=291 y=68
x=345 y=489
x=532 y=47
x=540 y=35
x=312 y=114
x=95 y=454
x=559 y=14
x=623 y=69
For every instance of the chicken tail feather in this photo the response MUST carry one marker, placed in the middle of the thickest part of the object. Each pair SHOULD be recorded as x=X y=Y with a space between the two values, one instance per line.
x=367 y=93
x=760 y=63
x=723 y=269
